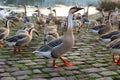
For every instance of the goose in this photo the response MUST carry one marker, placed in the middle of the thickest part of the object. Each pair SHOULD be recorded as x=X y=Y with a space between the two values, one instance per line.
x=111 y=35
x=50 y=15
x=26 y=27
x=101 y=19
x=52 y=30
x=77 y=24
x=86 y=13
x=103 y=28
x=55 y=19
x=2 y=13
x=4 y=31
x=40 y=19
x=19 y=40
x=115 y=14
x=26 y=18
x=55 y=48
x=49 y=37
x=114 y=47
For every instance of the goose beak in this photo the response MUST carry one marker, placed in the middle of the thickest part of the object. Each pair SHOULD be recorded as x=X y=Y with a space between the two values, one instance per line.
x=36 y=11
x=13 y=23
x=79 y=9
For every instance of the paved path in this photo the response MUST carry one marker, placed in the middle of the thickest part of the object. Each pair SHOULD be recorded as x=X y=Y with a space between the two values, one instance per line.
x=88 y=65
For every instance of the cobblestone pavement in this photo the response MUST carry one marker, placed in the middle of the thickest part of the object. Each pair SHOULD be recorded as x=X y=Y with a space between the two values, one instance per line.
x=88 y=65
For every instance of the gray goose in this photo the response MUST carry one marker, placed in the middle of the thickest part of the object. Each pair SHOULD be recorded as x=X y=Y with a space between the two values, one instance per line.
x=19 y=40
x=114 y=47
x=55 y=48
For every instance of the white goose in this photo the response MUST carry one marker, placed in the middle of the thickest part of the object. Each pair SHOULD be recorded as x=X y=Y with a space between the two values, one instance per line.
x=55 y=48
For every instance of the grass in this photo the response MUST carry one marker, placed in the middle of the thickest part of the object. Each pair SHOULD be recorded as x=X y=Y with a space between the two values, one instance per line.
x=88 y=39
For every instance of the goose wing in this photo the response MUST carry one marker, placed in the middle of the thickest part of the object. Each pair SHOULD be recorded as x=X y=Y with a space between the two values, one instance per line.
x=50 y=45
x=109 y=35
x=16 y=38
x=98 y=27
x=115 y=37
x=114 y=44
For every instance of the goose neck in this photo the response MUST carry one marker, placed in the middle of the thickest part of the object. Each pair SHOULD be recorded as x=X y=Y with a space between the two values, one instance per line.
x=70 y=23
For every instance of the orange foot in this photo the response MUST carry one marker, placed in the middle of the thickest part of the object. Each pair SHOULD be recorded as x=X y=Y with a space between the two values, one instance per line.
x=1 y=43
x=56 y=66
x=78 y=31
x=21 y=52
x=118 y=62
x=68 y=64
x=26 y=45
x=1 y=46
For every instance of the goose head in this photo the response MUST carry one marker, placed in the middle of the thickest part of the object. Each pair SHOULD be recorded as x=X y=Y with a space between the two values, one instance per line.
x=28 y=25
x=33 y=30
x=49 y=37
x=6 y=22
x=54 y=10
x=74 y=9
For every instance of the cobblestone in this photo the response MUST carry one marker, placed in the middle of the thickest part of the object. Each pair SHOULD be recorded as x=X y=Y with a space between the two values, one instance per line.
x=8 y=78
x=108 y=73
x=19 y=73
x=87 y=65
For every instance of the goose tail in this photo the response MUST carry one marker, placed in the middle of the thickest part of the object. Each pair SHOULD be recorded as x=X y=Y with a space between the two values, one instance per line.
x=46 y=54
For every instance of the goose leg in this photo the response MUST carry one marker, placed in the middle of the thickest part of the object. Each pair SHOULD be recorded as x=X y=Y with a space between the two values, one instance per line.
x=26 y=45
x=78 y=30
x=19 y=51
x=54 y=64
x=113 y=57
x=66 y=62
x=45 y=39
x=1 y=46
x=1 y=43
x=118 y=61
x=15 y=49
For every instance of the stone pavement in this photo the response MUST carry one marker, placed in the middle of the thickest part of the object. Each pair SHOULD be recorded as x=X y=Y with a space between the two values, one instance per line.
x=88 y=65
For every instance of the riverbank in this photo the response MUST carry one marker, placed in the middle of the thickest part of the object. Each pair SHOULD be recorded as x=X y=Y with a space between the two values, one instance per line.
x=61 y=10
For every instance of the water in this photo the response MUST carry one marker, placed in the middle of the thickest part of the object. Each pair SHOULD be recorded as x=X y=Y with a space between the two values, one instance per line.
x=50 y=3
x=61 y=6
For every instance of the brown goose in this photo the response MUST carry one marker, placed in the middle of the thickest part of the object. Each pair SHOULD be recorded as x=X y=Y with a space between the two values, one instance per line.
x=20 y=40
x=52 y=30
x=4 y=32
x=102 y=18
x=55 y=19
x=40 y=20
x=55 y=48
x=111 y=35
x=26 y=18
x=104 y=28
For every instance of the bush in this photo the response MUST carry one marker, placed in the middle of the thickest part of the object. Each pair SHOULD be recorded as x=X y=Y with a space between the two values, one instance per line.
x=108 y=5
